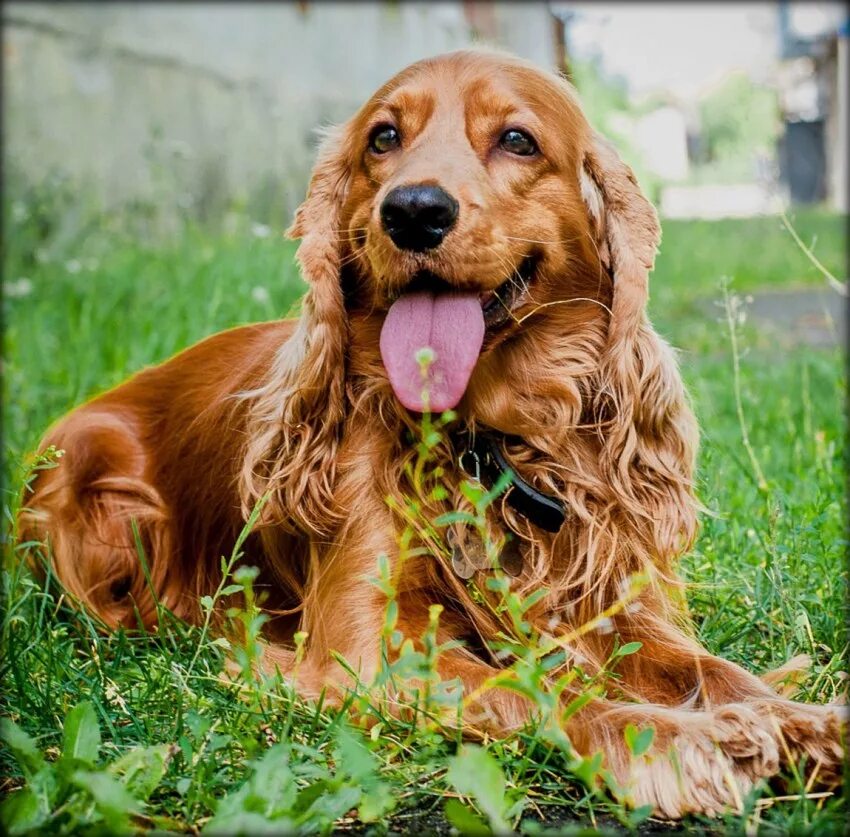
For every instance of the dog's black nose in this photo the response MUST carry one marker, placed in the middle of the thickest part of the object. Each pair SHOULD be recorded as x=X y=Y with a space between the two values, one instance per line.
x=418 y=217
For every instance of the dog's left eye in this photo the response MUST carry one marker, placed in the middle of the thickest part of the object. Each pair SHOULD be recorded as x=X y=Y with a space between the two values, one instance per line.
x=384 y=138
x=517 y=142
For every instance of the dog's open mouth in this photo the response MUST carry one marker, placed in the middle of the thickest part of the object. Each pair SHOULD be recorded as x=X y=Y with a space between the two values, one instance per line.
x=499 y=305
x=432 y=336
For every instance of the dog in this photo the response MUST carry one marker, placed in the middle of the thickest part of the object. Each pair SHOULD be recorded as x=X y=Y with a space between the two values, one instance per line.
x=471 y=245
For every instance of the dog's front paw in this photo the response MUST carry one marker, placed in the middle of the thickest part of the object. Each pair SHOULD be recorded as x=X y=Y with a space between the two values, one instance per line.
x=703 y=762
x=708 y=761
x=811 y=734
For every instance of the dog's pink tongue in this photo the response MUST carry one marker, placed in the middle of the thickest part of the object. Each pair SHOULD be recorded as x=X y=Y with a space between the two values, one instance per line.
x=451 y=325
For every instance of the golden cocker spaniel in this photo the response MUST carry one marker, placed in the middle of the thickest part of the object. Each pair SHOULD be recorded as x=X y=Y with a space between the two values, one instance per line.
x=470 y=244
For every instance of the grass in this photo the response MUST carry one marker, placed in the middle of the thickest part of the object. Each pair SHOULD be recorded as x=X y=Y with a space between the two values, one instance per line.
x=757 y=254
x=122 y=731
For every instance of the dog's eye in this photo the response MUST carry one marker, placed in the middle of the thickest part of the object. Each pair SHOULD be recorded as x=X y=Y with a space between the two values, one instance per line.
x=518 y=143
x=383 y=139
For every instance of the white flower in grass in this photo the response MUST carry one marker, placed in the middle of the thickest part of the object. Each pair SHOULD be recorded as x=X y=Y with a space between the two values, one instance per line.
x=576 y=656
x=260 y=294
x=73 y=266
x=260 y=230
x=18 y=288
x=604 y=625
x=624 y=587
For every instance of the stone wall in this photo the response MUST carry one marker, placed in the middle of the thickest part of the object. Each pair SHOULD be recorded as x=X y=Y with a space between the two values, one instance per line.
x=207 y=104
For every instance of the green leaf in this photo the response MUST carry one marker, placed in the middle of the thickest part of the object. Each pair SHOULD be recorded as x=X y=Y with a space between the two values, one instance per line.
x=638 y=742
x=474 y=772
x=356 y=761
x=588 y=769
x=576 y=704
x=249 y=823
x=455 y=517
x=270 y=792
x=245 y=575
x=532 y=599
x=22 y=812
x=307 y=796
x=353 y=758
x=141 y=769
x=467 y=822
x=554 y=659
x=218 y=741
x=637 y=816
x=111 y=798
x=376 y=803
x=81 y=738
x=628 y=648
x=439 y=492
x=504 y=480
x=332 y=805
x=23 y=748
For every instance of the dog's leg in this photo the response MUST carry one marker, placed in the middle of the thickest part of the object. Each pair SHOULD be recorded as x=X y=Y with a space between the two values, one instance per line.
x=700 y=761
x=343 y=610
x=673 y=668
x=97 y=519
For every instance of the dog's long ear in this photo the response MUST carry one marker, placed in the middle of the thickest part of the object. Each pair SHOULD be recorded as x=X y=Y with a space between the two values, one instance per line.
x=649 y=441
x=296 y=416
x=627 y=232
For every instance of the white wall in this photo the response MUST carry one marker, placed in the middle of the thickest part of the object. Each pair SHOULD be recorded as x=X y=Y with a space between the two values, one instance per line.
x=202 y=103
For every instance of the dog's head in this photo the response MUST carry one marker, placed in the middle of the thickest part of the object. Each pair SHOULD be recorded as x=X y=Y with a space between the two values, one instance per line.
x=469 y=209
x=465 y=202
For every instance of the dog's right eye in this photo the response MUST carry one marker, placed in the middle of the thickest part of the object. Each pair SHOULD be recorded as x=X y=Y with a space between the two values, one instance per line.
x=383 y=139
x=518 y=142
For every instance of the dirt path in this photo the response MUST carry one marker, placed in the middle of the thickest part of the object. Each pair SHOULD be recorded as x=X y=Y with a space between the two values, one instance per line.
x=811 y=316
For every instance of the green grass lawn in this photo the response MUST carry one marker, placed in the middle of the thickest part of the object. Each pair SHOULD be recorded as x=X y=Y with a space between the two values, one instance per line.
x=155 y=739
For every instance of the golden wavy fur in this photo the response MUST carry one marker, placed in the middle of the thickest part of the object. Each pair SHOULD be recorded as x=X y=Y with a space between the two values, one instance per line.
x=304 y=413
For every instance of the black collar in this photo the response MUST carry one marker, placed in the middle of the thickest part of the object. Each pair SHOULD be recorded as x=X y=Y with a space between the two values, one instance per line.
x=484 y=459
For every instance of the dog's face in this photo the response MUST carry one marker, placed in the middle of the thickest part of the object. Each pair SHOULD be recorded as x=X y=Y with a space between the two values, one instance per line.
x=460 y=203
x=466 y=172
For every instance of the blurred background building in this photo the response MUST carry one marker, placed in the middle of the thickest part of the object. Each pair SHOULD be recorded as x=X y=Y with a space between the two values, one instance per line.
x=723 y=109
x=726 y=109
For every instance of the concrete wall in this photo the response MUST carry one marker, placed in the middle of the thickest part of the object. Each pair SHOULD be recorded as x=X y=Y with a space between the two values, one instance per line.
x=206 y=103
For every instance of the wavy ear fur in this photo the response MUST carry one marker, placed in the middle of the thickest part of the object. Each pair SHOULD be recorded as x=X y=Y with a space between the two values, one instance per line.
x=627 y=229
x=296 y=416
x=649 y=436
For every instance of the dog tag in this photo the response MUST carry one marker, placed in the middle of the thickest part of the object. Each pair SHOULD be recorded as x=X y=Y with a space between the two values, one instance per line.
x=463 y=567
x=510 y=558
x=476 y=553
